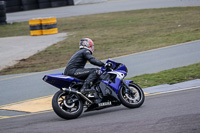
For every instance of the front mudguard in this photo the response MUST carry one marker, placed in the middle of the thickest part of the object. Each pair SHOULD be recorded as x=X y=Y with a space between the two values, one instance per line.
x=128 y=82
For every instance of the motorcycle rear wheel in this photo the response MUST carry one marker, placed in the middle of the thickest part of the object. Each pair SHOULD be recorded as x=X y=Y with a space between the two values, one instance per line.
x=133 y=97
x=67 y=106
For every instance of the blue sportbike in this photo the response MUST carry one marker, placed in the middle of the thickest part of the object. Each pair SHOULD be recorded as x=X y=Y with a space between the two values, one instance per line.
x=110 y=90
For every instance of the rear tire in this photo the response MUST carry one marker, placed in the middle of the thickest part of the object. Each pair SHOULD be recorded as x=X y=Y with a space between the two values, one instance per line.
x=132 y=98
x=67 y=106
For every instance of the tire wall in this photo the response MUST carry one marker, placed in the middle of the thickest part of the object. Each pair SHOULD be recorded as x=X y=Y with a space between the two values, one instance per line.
x=58 y=3
x=44 y=4
x=2 y=13
x=13 y=5
x=23 y=5
x=29 y=4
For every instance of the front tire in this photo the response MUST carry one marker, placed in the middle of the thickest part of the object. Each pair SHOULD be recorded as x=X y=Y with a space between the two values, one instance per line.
x=133 y=97
x=67 y=106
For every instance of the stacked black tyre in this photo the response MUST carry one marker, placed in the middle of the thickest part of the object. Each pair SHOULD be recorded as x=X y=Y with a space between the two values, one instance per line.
x=23 y=5
x=29 y=4
x=58 y=3
x=2 y=13
x=44 y=4
x=70 y=2
x=13 y=5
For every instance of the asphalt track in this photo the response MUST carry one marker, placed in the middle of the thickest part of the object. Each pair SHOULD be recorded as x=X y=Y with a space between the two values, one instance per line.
x=172 y=112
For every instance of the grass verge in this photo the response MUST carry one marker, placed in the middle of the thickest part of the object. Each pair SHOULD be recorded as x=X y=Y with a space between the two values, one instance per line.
x=171 y=76
x=114 y=34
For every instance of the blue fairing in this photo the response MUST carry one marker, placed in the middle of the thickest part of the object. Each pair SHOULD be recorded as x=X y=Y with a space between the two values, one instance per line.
x=128 y=82
x=59 y=80
x=115 y=85
x=116 y=66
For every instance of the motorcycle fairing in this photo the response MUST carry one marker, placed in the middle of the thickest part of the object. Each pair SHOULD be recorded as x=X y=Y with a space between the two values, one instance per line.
x=128 y=82
x=108 y=91
x=120 y=74
x=116 y=66
x=113 y=85
x=59 y=80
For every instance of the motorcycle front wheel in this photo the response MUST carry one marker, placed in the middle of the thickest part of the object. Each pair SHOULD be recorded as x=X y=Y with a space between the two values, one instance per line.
x=67 y=106
x=132 y=97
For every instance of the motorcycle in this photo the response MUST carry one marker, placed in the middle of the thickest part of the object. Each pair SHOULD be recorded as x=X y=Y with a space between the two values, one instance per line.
x=110 y=90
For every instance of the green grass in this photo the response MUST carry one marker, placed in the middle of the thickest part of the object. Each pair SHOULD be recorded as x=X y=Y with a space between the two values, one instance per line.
x=171 y=76
x=15 y=29
x=114 y=34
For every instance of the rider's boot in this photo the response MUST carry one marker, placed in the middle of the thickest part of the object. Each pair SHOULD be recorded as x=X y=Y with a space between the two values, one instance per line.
x=89 y=81
x=86 y=89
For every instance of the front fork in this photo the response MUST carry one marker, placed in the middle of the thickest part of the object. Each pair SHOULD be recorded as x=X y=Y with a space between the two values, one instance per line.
x=126 y=85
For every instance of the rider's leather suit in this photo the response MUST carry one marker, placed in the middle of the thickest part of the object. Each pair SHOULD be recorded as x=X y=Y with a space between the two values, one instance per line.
x=75 y=67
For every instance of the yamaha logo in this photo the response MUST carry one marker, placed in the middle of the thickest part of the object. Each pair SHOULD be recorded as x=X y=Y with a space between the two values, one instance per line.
x=105 y=104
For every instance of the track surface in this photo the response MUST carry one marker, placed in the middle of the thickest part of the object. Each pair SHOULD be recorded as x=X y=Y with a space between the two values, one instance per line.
x=177 y=112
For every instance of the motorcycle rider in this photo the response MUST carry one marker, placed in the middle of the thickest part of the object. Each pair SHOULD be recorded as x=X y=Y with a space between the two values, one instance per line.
x=75 y=66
